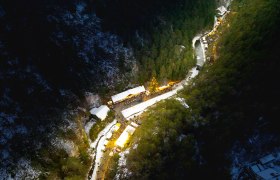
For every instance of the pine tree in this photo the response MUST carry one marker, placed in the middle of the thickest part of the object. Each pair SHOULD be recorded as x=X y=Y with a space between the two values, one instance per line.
x=153 y=85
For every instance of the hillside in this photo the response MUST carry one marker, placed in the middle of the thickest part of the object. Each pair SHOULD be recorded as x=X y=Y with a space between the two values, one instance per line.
x=60 y=59
x=234 y=105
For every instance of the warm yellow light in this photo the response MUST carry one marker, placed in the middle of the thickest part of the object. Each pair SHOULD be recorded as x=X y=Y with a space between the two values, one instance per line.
x=122 y=139
x=117 y=126
x=171 y=83
x=162 y=87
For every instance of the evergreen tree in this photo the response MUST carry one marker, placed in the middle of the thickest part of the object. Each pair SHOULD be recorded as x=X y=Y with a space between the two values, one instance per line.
x=153 y=84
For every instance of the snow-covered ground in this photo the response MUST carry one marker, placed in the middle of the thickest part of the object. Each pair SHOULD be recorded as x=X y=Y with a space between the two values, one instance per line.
x=122 y=166
x=89 y=40
x=99 y=144
x=24 y=170
x=197 y=37
x=88 y=126
x=183 y=102
x=103 y=133
x=203 y=52
x=66 y=145
x=139 y=109
x=257 y=146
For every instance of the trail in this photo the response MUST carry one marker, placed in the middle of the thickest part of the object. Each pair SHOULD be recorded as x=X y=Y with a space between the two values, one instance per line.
x=98 y=144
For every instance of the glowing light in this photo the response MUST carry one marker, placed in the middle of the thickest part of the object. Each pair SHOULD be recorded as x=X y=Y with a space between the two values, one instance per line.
x=162 y=87
x=106 y=142
x=122 y=139
x=171 y=83
x=129 y=130
x=117 y=126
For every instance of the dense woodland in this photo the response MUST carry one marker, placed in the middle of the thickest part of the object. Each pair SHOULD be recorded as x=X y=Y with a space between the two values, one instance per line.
x=226 y=100
x=230 y=100
x=160 y=32
x=52 y=52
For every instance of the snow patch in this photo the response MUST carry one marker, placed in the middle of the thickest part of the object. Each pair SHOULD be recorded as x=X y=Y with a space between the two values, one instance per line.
x=256 y=147
x=183 y=102
x=80 y=7
x=23 y=170
x=123 y=172
x=135 y=146
x=93 y=100
x=88 y=126
x=99 y=145
x=66 y=145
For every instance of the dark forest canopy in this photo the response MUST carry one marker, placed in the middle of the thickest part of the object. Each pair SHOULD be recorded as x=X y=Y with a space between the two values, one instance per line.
x=230 y=101
x=48 y=62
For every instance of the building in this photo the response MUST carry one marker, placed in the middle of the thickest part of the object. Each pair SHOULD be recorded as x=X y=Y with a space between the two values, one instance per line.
x=100 y=112
x=267 y=159
x=264 y=169
x=221 y=10
x=268 y=174
x=136 y=110
x=127 y=94
x=122 y=140
x=134 y=124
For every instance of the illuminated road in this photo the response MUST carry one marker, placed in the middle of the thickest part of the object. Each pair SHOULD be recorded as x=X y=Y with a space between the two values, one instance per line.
x=199 y=51
x=136 y=110
x=98 y=144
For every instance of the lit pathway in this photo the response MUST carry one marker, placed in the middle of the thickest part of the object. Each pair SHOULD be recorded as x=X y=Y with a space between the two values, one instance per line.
x=140 y=108
x=134 y=111
x=98 y=144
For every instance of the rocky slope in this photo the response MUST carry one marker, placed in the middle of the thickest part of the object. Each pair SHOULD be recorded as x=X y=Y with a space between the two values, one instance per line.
x=54 y=58
x=51 y=55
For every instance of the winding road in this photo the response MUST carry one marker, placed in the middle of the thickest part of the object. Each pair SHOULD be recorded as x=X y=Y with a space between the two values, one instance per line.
x=141 y=107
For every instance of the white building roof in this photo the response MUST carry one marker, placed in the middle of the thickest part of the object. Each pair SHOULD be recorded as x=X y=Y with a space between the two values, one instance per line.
x=130 y=130
x=255 y=169
x=123 y=95
x=122 y=139
x=268 y=174
x=267 y=159
x=134 y=124
x=142 y=106
x=222 y=10
x=100 y=112
x=109 y=135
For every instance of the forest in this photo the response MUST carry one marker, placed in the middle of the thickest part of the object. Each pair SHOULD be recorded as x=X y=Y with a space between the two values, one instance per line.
x=160 y=33
x=231 y=99
x=53 y=52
